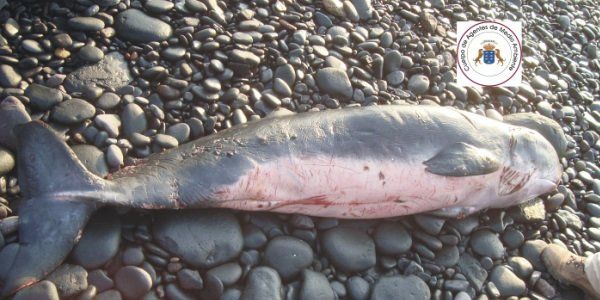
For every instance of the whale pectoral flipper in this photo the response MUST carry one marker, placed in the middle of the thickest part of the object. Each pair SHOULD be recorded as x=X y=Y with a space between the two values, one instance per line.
x=462 y=159
x=59 y=197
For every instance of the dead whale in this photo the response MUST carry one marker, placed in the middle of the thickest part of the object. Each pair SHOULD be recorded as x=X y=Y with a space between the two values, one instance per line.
x=372 y=162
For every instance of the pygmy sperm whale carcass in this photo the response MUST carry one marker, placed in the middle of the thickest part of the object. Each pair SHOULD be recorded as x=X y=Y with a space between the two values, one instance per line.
x=372 y=162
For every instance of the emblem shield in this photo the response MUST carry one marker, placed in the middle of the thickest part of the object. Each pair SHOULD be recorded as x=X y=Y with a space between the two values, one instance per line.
x=489 y=56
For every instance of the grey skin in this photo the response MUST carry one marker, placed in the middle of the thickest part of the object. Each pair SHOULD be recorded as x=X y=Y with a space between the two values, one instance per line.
x=60 y=194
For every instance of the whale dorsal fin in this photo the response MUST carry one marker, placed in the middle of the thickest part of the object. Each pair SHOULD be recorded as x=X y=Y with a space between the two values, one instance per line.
x=462 y=159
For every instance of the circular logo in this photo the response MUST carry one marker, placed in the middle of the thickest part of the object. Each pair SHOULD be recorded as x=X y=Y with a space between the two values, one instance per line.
x=489 y=53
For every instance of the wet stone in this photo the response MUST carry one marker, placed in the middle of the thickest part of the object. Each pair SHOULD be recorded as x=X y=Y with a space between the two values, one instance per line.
x=86 y=23
x=520 y=266
x=189 y=279
x=358 y=288
x=262 y=283
x=43 y=290
x=447 y=256
x=228 y=273
x=32 y=46
x=473 y=270
x=7 y=161
x=418 y=84
x=487 y=243
x=133 y=282
x=288 y=255
x=507 y=282
x=41 y=97
x=135 y=26
x=73 y=111
x=411 y=287
x=133 y=119
x=392 y=238
x=9 y=77
x=349 y=249
x=90 y=54
x=217 y=240
x=334 y=82
x=92 y=158
x=430 y=224
x=315 y=286
x=532 y=251
x=70 y=280
x=112 y=72
x=99 y=241
x=158 y=6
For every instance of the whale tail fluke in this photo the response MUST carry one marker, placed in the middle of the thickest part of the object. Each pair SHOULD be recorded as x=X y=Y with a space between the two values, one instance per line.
x=57 y=203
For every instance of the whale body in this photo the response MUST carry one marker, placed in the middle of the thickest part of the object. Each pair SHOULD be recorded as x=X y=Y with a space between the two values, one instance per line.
x=370 y=162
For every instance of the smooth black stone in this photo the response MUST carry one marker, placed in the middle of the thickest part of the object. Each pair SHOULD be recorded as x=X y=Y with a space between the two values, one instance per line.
x=99 y=241
x=41 y=97
x=262 y=283
x=72 y=111
x=349 y=249
x=135 y=26
x=86 y=23
x=217 y=240
x=288 y=255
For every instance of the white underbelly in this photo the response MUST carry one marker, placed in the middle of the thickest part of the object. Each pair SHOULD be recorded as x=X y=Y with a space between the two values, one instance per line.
x=350 y=188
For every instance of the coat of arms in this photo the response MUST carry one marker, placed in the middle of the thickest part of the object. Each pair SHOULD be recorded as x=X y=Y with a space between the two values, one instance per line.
x=489 y=54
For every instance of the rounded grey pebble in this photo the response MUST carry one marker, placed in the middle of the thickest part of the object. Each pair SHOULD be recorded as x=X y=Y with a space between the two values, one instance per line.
x=521 y=266
x=391 y=238
x=108 y=101
x=430 y=224
x=334 y=82
x=9 y=77
x=190 y=279
x=447 y=256
x=166 y=141
x=114 y=156
x=418 y=84
x=100 y=280
x=86 y=23
x=262 y=283
x=135 y=26
x=513 y=238
x=349 y=249
x=7 y=161
x=133 y=119
x=172 y=291
x=92 y=158
x=315 y=286
x=90 y=54
x=180 y=131
x=410 y=287
x=486 y=243
x=532 y=251
x=507 y=282
x=41 y=97
x=217 y=240
x=288 y=255
x=358 y=288
x=100 y=240
x=43 y=290
x=228 y=273
x=133 y=282
x=70 y=280
x=109 y=123
x=133 y=256
x=73 y=111
x=109 y=295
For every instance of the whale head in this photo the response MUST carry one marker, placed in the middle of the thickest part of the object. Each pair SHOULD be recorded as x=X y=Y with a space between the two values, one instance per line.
x=533 y=167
